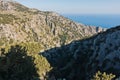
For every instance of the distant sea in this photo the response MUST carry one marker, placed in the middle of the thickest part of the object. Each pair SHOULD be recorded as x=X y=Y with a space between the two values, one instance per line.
x=105 y=21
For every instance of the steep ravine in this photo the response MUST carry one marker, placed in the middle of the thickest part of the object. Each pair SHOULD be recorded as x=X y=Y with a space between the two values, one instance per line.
x=81 y=59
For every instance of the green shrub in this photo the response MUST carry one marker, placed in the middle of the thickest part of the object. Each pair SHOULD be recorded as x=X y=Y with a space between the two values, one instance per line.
x=32 y=47
x=11 y=41
x=16 y=64
x=103 y=76
x=7 y=18
x=1 y=43
x=41 y=65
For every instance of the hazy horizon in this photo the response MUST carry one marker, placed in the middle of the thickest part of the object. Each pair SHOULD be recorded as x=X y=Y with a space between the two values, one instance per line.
x=75 y=6
x=96 y=13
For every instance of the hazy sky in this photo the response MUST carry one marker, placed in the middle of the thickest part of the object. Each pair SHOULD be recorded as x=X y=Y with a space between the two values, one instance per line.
x=75 y=6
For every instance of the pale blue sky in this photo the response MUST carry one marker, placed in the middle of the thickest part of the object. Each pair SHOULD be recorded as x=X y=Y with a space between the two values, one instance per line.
x=75 y=6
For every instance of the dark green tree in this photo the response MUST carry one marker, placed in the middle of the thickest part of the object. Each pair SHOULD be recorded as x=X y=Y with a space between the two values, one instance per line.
x=17 y=65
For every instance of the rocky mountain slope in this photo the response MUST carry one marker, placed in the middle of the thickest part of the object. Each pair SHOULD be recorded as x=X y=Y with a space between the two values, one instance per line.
x=35 y=31
x=20 y=24
x=81 y=59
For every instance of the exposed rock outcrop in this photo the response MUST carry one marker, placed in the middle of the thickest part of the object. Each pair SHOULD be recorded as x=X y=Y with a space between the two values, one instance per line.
x=80 y=60
x=21 y=24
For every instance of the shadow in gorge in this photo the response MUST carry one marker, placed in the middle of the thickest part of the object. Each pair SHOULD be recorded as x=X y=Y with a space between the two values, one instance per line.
x=70 y=61
x=77 y=61
x=17 y=65
x=64 y=65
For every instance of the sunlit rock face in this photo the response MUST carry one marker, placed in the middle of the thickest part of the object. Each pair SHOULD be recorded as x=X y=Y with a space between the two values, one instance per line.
x=19 y=23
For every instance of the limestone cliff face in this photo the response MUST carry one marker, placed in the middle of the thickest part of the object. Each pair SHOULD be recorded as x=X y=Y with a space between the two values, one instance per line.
x=80 y=60
x=21 y=24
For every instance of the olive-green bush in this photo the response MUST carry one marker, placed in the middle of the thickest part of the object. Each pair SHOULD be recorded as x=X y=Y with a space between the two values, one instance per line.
x=103 y=76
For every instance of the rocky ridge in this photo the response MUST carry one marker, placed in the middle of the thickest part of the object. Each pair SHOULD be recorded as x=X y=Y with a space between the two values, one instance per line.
x=21 y=24
x=80 y=60
x=74 y=51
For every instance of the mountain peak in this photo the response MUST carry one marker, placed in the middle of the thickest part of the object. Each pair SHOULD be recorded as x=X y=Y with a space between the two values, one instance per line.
x=11 y=5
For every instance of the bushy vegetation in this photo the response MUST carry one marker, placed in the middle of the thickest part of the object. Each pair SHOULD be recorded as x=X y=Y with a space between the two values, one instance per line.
x=103 y=76
x=16 y=64
x=7 y=18
x=42 y=66
x=3 y=40
x=32 y=47
x=1 y=43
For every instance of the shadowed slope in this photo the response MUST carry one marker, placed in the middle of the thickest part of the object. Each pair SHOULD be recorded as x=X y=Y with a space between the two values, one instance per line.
x=80 y=60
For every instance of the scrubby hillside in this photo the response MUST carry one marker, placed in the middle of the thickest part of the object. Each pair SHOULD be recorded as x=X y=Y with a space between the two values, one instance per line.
x=25 y=32
x=81 y=59
x=21 y=24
